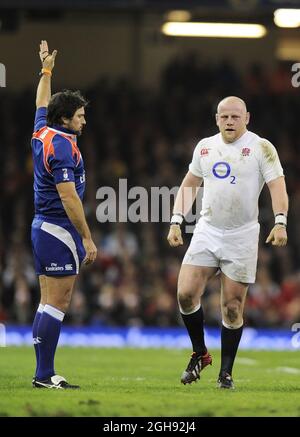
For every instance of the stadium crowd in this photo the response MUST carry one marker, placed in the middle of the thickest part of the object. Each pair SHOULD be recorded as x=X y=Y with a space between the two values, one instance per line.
x=147 y=137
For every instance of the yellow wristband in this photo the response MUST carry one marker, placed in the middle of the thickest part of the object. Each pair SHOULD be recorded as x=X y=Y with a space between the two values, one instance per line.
x=46 y=71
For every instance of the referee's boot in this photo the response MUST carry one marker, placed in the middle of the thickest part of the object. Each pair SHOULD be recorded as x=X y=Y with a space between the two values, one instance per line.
x=56 y=382
x=196 y=365
x=225 y=381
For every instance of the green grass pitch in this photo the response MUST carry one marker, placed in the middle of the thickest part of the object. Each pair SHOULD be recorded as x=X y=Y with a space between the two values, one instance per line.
x=137 y=382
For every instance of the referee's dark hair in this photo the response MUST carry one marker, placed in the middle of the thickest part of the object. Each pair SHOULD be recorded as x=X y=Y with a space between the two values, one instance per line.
x=64 y=104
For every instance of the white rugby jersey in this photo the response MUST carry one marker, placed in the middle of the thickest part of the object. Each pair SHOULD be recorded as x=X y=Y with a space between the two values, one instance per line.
x=234 y=175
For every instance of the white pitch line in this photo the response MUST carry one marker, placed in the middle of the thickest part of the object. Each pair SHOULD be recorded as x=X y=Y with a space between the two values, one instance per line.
x=246 y=361
x=138 y=378
x=242 y=380
x=291 y=370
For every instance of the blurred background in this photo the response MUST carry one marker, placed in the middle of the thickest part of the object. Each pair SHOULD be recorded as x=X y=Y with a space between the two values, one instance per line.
x=152 y=98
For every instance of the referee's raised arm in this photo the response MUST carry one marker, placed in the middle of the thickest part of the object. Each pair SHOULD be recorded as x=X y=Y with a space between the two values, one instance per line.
x=43 y=93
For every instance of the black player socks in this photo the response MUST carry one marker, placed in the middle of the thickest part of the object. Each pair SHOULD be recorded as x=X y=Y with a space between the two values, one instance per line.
x=194 y=325
x=230 y=339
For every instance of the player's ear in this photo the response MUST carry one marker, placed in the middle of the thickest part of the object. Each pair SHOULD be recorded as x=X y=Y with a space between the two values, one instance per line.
x=64 y=120
x=217 y=120
x=247 y=118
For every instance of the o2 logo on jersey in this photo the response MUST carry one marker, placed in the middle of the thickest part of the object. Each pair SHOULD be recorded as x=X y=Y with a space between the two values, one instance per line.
x=65 y=174
x=221 y=170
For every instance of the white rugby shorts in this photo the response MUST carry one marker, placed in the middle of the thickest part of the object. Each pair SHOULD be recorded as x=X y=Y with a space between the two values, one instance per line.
x=233 y=251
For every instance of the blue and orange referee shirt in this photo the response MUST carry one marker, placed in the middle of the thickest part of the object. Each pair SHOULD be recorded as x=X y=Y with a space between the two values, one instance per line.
x=56 y=159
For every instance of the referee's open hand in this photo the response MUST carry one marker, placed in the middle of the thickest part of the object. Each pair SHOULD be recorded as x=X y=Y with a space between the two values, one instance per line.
x=47 y=59
x=174 y=237
x=90 y=250
x=277 y=236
